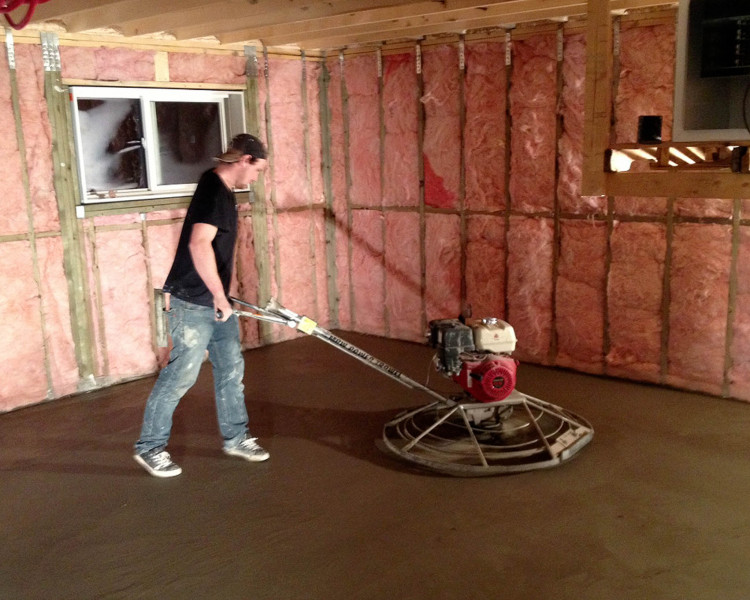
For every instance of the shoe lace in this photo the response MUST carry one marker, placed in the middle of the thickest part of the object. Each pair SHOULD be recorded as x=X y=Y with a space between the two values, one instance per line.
x=162 y=459
x=250 y=444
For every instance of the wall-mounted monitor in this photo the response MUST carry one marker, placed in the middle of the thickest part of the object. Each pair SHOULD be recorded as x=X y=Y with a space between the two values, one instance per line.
x=712 y=76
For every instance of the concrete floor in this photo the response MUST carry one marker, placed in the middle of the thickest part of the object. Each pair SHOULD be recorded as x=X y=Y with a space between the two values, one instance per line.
x=655 y=508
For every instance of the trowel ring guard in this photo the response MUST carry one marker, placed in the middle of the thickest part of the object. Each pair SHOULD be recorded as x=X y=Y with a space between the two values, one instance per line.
x=491 y=428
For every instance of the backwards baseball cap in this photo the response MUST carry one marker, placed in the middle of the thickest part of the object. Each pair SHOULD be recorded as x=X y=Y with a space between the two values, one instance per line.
x=242 y=144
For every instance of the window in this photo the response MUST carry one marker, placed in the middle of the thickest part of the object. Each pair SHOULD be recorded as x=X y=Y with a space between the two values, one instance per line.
x=136 y=143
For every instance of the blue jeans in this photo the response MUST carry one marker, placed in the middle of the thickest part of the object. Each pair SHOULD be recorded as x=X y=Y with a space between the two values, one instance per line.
x=194 y=330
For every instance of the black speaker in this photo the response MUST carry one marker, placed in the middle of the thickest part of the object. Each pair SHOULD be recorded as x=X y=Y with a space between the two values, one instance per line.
x=649 y=129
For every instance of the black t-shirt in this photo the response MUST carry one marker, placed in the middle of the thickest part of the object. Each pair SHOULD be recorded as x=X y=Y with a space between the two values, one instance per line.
x=215 y=204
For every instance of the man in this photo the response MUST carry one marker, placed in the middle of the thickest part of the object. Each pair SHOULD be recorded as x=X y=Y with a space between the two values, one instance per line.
x=200 y=316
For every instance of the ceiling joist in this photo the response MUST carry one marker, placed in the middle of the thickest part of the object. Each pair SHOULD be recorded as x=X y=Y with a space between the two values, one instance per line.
x=309 y=24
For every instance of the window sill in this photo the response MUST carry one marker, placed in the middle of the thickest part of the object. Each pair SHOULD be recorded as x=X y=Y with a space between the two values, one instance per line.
x=84 y=211
x=124 y=207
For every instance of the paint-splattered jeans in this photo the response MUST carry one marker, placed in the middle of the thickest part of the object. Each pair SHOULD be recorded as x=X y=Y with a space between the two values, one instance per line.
x=194 y=330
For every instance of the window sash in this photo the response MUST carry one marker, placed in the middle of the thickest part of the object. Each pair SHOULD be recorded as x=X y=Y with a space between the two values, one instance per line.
x=229 y=120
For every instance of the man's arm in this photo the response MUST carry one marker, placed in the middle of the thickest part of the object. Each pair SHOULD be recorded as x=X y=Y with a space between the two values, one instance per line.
x=204 y=260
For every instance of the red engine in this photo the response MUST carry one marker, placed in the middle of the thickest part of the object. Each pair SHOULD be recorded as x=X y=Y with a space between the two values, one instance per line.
x=476 y=356
x=489 y=378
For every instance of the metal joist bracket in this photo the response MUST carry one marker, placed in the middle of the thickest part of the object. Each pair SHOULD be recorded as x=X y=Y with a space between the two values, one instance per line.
x=51 y=52
x=10 y=49
x=251 y=62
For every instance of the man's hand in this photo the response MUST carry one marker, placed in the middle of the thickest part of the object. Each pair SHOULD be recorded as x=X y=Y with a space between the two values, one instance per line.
x=222 y=309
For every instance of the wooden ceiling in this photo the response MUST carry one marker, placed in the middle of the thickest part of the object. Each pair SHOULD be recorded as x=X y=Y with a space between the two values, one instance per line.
x=306 y=24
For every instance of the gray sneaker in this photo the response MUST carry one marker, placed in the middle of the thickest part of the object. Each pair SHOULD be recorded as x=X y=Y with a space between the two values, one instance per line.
x=249 y=450
x=158 y=463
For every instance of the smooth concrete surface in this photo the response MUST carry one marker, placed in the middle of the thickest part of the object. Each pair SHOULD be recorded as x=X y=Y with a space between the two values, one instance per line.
x=657 y=506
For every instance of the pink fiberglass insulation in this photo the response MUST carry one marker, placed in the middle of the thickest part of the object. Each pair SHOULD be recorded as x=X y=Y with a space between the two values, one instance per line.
x=630 y=205
x=442 y=130
x=699 y=292
x=342 y=239
x=484 y=130
x=93 y=297
x=313 y=132
x=209 y=68
x=297 y=236
x=338 y=146
x=646 y=82
x=485 y=266
x=121 y=261
x=368 y=275
x=634 y=294
x=37 y=137
x=570 y=144
x=580 y=295
x=21 y=342
x=108 y=64
x=274 y=265
x=530 y=245
x=739 y=373
x=245 y=284
x=320 y=269
x=343 y=243
x=443 y=266
x=361 y=76
x=339 y=191
x=703 y=207
x=61 y=355
x=124 y=219
x=162 y=244
x=13 y=217
x=160 y=215
x=533 y=101
x=400 y=144
x=289 y=173
x=403 y=276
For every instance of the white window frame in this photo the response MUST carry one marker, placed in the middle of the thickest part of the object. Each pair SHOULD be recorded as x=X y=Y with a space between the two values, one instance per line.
x=231 y=119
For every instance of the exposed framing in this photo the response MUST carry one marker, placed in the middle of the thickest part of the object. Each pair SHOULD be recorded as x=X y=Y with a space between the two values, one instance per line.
x=66 y=186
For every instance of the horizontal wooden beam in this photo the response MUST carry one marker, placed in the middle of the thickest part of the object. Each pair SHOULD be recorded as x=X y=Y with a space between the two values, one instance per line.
x=597 y=99
x=304 y=21
x=678 y=184
x=371 y=17
x=224 y=18
x=60 y=9
x=416 y=25
x=118 y=14
x=411 y=22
